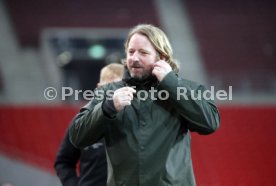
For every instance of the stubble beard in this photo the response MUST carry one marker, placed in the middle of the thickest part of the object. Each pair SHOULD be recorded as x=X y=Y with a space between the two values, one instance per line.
x=141 y=76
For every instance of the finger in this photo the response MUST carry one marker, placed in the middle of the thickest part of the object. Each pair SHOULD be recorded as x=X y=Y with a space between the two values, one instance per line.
x=124 y=103
x=127 y=89
x=127 y=102
x=131 y=89
x=125 y=97
x=164 y=66
x=155 y=71
x=160 y=63
x=130 y=96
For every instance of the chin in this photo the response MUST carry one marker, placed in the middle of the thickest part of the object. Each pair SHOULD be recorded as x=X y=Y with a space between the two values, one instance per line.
x=139 y=76
x=135 y=76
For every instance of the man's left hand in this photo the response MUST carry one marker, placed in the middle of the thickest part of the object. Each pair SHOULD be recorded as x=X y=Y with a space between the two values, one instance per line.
x=160 y=69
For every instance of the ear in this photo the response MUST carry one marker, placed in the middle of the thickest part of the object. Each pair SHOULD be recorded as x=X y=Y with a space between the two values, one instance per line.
x=163 y=58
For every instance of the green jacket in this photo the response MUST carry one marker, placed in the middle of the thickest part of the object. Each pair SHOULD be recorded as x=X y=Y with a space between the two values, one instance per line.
x=148 y=142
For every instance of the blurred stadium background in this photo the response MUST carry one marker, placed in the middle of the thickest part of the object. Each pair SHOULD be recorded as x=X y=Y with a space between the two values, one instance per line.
x=64 y=43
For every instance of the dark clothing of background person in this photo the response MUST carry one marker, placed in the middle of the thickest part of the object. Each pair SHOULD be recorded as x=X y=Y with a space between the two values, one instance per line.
x=93 y=166
x=93 y=163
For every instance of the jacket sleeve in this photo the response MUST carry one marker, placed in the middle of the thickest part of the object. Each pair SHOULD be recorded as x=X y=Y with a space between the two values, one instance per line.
x=89 y=125
x=66 y=162
x=202 y=115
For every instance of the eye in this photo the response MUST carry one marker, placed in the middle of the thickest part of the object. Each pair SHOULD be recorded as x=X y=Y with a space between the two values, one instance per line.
x=143 y=52
x=131 y=51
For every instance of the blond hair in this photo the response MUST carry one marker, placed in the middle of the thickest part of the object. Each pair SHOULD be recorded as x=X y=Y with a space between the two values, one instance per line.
x=158 y=39
x=110 y=73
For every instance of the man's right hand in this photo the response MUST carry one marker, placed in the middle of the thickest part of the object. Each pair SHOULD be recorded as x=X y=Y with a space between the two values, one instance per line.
x=122 y=97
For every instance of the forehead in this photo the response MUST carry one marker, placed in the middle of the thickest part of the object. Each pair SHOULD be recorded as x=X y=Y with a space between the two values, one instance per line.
x=139 y=40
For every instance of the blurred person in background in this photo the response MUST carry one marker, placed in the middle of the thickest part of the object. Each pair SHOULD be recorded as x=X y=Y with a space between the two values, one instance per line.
x=6 y=184
x=93 y=166
x=147 y=138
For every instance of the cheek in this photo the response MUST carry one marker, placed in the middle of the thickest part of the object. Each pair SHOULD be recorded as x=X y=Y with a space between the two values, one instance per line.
x=148 y=67
x=129 y=59
x=150 y=62
x=128 y=62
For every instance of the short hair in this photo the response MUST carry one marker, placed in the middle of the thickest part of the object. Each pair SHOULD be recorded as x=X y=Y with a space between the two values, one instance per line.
x=158 y=39
x=111 y=72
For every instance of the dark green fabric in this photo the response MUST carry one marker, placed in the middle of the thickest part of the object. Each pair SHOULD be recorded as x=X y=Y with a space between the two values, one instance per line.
x=148 y=142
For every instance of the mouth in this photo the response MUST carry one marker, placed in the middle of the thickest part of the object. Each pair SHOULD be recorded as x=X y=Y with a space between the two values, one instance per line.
x=136 y=66
x=136 y=69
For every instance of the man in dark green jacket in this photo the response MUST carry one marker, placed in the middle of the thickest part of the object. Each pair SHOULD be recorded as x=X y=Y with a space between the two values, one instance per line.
x=145 y=119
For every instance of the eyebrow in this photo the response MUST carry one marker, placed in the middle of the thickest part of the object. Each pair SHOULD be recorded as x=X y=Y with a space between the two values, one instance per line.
x=142 y=50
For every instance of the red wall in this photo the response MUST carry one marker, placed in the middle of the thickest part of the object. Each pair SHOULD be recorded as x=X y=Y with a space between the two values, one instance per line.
x=33 y=133
x=240 y=153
